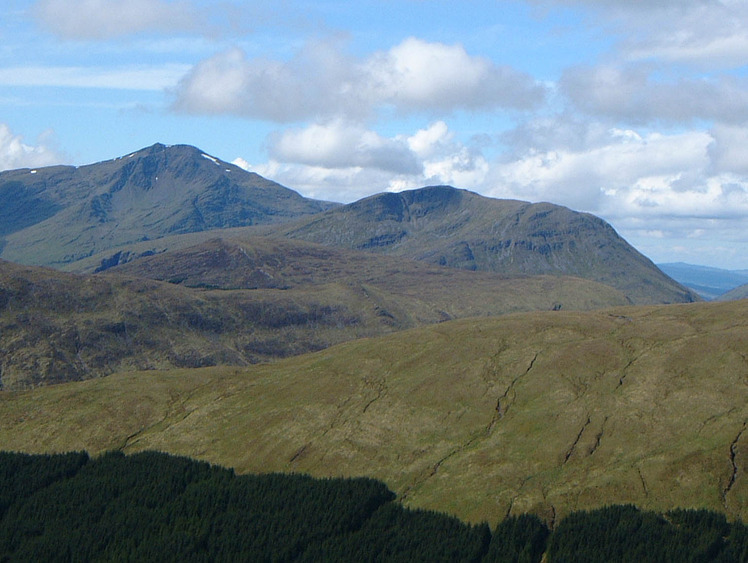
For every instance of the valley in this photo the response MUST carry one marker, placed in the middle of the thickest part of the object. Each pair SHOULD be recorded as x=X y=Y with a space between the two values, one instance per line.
x=484 y=358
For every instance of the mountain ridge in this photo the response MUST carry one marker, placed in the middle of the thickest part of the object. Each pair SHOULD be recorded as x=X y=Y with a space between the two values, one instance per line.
x=59 y=216
x=461 y=229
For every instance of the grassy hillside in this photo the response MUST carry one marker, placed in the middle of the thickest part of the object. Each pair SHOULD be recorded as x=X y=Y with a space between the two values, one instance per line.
x=544 y=412
x=57 y=327
x=457 y=228
x=740 y=292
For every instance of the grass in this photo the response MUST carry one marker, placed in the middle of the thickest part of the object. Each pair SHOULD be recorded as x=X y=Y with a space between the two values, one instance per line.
x=541 y=412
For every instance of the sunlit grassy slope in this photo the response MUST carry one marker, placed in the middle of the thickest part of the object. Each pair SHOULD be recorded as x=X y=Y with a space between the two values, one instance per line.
x=543 y=412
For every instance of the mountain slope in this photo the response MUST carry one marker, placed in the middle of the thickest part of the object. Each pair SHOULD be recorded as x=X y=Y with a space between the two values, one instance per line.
x=740 y=292
x=296 y=297
x=543 y=412
x=56 y=215
x=460 y=229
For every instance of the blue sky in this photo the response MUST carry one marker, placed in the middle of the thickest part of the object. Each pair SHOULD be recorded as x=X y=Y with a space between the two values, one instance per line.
x=634 y=111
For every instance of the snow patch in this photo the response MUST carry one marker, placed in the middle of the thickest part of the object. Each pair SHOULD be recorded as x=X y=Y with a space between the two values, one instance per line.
x=215 y=160
x=241 y=163
x=32 y=172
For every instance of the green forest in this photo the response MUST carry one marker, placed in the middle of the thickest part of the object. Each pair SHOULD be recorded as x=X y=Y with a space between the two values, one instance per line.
x=156 y=507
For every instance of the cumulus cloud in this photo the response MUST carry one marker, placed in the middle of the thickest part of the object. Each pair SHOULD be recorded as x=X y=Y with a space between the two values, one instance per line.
x=433 y=76
x=345 y=161
x=341 y=145
x=14 y=153
x=713 y=33
x=322 y=82
x=318 y=81
x=343 y=185
x=633 y=93
x=102 y=19
x=729 y=149
x=650 y=184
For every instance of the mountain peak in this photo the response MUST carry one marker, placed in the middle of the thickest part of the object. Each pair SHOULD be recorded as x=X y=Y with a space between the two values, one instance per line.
x=461 y=229
x=57 y=216
x=156 y=147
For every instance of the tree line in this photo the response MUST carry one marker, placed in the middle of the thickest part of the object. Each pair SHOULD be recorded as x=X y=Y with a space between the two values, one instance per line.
x=157 y=507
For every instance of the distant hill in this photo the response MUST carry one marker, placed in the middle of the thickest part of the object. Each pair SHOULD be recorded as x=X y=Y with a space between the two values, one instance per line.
x=460 y=229
x=57 y=215
x=260 y=300
x=708 y=282
x=542 y=412
x=740 y=292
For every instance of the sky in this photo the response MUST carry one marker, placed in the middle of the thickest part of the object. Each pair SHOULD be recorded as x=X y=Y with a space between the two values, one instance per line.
x=634 y=110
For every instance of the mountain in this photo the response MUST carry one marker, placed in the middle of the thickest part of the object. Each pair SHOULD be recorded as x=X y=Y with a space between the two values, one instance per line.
x=543 y=412
x=708 y=282
x=460 y=229
x=60 y=214
x=264 y=300
x=740 y=292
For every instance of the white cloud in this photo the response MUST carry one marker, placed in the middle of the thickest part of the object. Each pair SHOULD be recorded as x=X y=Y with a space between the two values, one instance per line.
x=153 y=78
x=242 y=163
x=344 y=162
x=632 y=93
x=322 y=82
x=712 y=33
x=102 y=19
x=729 y=150
x=341 y=145
x=332 y=184
x=675 y=197
x=625 y=173
x=14 y=153
x=433 y=76
x=430 y=141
